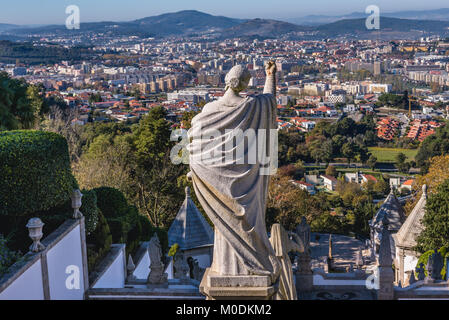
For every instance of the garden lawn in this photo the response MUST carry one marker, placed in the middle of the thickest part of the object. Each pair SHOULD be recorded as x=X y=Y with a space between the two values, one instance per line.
x=389 y=154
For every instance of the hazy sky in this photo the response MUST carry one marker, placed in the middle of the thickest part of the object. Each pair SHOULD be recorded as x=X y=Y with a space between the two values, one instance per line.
x=53 y=11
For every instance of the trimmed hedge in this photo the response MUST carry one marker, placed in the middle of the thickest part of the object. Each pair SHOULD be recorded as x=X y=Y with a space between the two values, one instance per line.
x=90 y=210
x=127 y=225
x=35 y=173
x=115 y=208
x=98 y=242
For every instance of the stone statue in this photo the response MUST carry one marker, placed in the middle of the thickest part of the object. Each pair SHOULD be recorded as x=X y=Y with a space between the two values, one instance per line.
x=435 y=265
x=157 y=275
x=282 y=245
x=197 y=271
x=181 y=266
x=303 y=231
x=231 y=180
x=421 y=272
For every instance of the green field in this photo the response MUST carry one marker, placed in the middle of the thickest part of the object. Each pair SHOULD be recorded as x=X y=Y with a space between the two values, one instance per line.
x=389 y=154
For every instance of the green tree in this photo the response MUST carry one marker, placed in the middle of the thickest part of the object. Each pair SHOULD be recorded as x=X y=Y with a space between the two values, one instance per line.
x=435 y=222
x=349 y=150
x=372 y=161
x=331 y=171
x=19 y=105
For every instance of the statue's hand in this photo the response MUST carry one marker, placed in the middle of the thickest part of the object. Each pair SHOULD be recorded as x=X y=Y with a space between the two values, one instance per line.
x=189 y=176
x=270 y=68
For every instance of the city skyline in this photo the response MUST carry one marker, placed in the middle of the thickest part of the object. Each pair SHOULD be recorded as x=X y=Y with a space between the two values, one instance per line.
x=26 y=12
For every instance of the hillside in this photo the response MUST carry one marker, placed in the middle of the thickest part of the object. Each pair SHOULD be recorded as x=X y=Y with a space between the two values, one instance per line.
x=185 y=23
x=263 y=28
x=358 y=27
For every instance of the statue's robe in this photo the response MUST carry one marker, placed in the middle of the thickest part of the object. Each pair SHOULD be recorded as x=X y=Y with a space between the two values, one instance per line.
x=234 y=194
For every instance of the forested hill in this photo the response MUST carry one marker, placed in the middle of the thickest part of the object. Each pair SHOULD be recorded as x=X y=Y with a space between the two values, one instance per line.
x=32 y=54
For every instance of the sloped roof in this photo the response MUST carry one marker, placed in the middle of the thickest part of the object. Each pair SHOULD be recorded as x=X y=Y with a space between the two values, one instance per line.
x=393 y=211
x=412 y=227
x=190 y=229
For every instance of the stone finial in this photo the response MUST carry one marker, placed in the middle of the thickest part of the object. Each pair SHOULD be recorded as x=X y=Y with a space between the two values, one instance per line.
x=330 y=247
x=359 y=259
x=130 y=268
x=424 y=190
x=35 y=226
x=412 y=279
x=76 y=204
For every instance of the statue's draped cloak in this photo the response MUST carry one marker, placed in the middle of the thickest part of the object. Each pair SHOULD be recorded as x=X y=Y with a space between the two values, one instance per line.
x=232 y=194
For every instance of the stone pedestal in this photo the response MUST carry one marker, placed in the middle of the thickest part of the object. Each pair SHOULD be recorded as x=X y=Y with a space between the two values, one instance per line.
x=216 y=287
x=304 y=275
x=386 y=287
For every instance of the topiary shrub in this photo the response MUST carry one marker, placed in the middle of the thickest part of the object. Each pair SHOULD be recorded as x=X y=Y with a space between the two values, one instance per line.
x=126 y=224
x=98 y=242
x=7 y=256
x=111 y=202
x=134 y=236
x=90 y=210
x=118 y=213
x=35 y=173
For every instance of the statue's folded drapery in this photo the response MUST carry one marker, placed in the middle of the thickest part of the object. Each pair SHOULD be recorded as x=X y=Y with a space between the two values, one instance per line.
x=232 y=186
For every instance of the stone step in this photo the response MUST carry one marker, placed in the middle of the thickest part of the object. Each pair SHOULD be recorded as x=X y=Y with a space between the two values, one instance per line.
x=144 y=294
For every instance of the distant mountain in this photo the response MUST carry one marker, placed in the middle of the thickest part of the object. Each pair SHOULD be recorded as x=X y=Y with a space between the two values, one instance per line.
x=187 y=23
x=4 y=26
x=314 y=20
x=263 y=28
x=357 y=27
x=178 y=23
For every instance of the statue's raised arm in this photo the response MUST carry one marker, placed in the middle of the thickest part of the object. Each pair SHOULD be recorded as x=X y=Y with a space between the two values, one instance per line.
x=270 y=82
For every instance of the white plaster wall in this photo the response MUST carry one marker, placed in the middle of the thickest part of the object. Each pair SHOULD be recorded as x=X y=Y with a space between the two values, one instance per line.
x=114 y=277
x=203 y=260
x=27 y=287
x=410 y=263
x=170 y=271
x=65 y=268
x=143 y=267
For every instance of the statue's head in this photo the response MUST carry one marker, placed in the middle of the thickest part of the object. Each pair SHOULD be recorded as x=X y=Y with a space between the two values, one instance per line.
x=237 y=78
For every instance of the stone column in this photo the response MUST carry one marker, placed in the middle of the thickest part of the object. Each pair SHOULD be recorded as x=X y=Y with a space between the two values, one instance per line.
x=304 y=274
x=401 y=257
x=385 y=265
x=250 y=287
